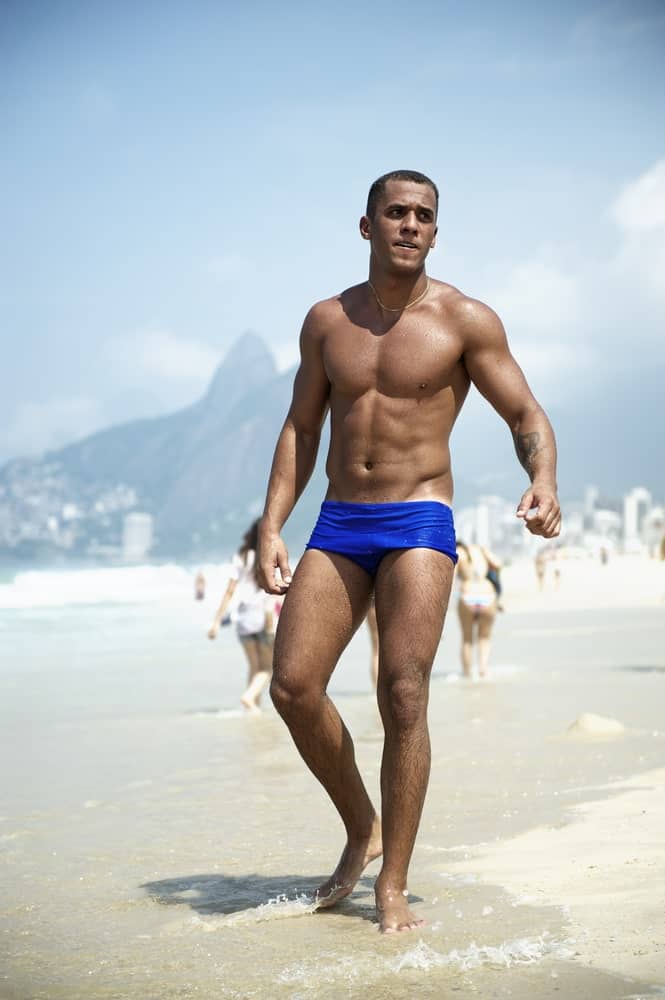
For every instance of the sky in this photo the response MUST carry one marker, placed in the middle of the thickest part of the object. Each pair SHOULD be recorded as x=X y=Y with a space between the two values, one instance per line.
x=175 y=174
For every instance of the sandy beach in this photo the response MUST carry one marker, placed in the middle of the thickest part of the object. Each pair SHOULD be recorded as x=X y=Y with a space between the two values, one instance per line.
x=157 y=843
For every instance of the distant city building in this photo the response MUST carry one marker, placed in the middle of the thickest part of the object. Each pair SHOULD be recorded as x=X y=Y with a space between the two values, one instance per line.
x=590 y=504
x=636 y=506
x=595 y=523
x=492 y=523
x=652 y=529
x=137 y=536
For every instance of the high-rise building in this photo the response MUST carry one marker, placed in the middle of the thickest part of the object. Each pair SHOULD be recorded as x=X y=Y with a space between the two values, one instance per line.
x=636 y=505
x=137 y=536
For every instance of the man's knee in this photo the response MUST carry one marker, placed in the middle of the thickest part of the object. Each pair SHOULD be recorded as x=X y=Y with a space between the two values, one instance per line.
x=404 y=696
x=292 y=694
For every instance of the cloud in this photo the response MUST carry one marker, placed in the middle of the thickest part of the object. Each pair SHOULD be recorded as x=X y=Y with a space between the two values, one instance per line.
x=640 y=207
x=540 y=304
x=154 y=353
x=546 y=364
x=286 y=353
x=43 y=425
x=538 y=298
x=153 y=361
x=639 y=214
x=568 y=312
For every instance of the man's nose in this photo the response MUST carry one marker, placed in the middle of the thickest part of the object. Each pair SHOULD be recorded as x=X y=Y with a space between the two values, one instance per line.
x=410 y=223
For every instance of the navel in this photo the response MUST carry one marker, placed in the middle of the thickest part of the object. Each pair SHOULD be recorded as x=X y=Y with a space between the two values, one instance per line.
x=422 y=385
x=369 y=466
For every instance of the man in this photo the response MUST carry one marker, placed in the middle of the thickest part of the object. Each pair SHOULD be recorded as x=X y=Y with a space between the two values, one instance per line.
x=392 y=358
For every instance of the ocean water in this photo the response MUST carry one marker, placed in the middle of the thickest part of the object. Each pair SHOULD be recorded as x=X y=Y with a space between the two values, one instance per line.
x=157 y=842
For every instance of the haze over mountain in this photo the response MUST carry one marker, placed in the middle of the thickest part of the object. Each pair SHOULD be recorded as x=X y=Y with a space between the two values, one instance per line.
x=202 y=471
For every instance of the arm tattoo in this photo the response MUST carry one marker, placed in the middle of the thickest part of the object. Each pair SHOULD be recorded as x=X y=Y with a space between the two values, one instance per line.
x=527 y=447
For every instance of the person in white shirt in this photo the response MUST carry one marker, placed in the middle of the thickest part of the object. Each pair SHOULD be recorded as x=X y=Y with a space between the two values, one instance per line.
x=254 y=619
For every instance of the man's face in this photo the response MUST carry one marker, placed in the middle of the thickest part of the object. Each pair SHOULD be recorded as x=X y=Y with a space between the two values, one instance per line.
x=403 y=229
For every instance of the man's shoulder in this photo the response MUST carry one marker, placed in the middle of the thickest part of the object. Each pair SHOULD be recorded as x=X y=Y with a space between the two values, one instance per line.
x=326 y=307
x=319 y=318
x=330 y=310
x=458 y=302
x=337 y=303
x=469 y=315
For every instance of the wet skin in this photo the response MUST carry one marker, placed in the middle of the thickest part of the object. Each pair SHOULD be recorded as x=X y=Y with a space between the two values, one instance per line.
x=394 y=378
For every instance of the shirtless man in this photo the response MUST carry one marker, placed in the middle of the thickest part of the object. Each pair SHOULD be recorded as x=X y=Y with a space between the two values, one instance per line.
x=392 y=358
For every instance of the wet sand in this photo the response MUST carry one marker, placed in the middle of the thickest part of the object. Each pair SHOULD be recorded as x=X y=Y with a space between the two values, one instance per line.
x=157 y=843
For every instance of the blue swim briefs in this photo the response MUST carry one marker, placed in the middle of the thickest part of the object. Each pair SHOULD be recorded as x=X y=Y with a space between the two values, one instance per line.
x=366 y=532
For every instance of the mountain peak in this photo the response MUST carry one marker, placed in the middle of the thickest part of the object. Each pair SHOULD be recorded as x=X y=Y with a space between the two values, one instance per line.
x=247 y=363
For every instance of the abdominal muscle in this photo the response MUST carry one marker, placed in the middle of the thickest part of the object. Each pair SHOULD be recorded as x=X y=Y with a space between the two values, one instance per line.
x=390 y=453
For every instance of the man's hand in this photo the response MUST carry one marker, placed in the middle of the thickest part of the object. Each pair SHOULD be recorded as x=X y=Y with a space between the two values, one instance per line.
x=274 y=573
x=539 y=508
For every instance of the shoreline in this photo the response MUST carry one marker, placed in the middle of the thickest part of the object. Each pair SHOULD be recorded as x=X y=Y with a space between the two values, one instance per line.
x=603 y=869
x=172 y=838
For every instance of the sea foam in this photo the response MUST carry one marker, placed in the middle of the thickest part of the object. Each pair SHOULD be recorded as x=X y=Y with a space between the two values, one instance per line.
x=273 y=909
x=311 y=973
x=166 y=584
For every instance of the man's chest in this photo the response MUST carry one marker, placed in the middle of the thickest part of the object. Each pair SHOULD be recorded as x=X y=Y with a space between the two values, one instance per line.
x=406 y=361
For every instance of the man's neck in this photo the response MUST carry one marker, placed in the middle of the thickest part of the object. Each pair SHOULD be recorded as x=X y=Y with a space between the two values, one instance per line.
x=396 y=291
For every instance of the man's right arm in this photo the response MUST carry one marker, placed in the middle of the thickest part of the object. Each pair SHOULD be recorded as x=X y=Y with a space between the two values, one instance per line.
x=295 y=453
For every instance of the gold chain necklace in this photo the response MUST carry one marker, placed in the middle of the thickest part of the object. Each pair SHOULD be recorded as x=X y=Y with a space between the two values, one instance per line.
x=408 y=305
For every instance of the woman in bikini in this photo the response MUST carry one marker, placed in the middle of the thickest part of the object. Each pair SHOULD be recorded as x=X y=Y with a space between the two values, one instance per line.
x=477 y=605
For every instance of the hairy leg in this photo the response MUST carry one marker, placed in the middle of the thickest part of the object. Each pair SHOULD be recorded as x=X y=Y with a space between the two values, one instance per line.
x=412 y=592
x=485 y=623
x=324 y=606
x=466 y=618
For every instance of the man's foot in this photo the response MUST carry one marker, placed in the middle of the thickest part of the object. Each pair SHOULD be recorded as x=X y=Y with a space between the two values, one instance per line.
x=355 y=858
x=393 y=911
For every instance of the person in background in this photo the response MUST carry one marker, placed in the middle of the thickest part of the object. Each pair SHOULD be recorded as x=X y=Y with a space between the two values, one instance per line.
x=374 y=644
x=255 y=619
x=199 y=586
x=477 y=605
x=494 y=577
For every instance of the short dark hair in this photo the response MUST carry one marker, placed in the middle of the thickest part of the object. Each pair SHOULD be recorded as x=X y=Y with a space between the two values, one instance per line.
x=379 y=186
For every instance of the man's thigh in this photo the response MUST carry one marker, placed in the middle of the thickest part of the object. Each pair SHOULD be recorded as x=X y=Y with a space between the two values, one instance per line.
x=324 y=606
x=412 y=591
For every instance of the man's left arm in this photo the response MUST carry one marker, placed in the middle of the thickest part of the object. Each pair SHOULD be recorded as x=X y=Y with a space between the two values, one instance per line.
x=496 y=374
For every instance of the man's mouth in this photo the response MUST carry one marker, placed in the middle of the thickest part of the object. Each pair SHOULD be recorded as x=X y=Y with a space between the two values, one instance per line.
x=406 y=244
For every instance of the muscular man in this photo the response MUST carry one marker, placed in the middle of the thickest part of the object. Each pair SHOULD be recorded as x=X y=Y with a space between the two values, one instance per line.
x=392 y=358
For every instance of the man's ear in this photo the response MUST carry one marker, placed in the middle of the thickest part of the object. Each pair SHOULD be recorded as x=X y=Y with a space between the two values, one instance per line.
x=433 y=243
x=365 y=228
